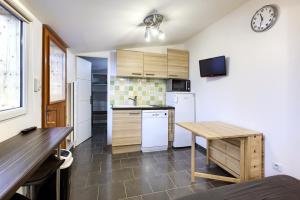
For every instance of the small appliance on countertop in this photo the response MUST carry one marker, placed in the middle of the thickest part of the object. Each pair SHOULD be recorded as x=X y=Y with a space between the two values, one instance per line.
x=178 y=85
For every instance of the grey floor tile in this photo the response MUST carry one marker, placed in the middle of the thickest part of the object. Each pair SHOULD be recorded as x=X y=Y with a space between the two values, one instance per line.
x=156 y=196
x=180 y=178
x=110 y=165
x=143 y=171
x=220 y=183
x=129 y=162
x=179 y=192
x=163 y=158
x=201 y=187
x=137 y=187
x=161 y=183
x=147 y=161
x=88 y=193
x=134 y=198
x=109 y=177
x=180 y=165
x=163 y=168
x=112 y=191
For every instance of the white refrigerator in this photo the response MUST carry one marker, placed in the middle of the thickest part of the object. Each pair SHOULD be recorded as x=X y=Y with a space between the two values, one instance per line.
x=184 y=103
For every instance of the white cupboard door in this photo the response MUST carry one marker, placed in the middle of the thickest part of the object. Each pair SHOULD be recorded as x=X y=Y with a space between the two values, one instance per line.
x=83 y=110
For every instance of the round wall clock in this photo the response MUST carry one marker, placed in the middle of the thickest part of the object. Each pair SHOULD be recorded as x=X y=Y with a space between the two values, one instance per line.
x=264 y=18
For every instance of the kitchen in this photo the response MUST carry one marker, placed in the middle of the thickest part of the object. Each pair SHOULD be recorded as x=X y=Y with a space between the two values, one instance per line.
x=134 y=94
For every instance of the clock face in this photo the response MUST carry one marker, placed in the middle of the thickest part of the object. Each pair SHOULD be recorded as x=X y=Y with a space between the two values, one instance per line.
x=264 y=18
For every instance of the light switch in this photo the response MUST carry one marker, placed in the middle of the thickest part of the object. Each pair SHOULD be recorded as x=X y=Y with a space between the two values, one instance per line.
x=37 y=85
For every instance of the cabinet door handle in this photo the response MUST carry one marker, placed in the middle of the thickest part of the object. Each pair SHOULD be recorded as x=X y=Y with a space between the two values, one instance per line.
x=150 y=74
x=172 y=75
x=133 y=113
x=136 y=74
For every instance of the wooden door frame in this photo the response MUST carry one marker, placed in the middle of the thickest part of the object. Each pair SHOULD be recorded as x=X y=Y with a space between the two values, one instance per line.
x=48 y=34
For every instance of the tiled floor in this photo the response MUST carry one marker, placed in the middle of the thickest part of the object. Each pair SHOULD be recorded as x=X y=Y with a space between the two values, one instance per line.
x=99 y=175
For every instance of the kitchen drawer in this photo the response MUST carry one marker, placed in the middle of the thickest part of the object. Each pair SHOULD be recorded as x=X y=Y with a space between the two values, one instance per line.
x=228 y=147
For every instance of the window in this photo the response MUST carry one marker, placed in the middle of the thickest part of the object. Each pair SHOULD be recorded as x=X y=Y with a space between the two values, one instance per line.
x=11 y=64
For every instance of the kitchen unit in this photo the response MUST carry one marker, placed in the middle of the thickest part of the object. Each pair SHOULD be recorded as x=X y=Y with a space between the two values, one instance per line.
x=184 y=104
x=174 y=64
x=127 y=127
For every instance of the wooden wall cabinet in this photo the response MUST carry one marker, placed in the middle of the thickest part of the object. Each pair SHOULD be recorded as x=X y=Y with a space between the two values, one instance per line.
x=126 y=131
x=155 y=65
x=178 y=64
x=130 y=63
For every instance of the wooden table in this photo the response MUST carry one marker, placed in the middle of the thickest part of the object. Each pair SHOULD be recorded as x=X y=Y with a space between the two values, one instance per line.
x=21 y=155
x=237 y=150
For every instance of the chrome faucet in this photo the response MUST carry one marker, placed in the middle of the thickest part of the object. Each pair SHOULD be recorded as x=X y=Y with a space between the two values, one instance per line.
x=134 y=100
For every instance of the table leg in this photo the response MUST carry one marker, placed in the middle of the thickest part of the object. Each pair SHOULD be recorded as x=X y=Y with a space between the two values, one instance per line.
x=208 y=153
x=58 y=176
x=193 y=158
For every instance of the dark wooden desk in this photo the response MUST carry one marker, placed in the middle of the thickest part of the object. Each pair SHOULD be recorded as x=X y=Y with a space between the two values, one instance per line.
x=21 y=155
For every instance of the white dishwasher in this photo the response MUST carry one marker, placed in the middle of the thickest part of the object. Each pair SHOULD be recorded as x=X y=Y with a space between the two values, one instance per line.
x=154 y=130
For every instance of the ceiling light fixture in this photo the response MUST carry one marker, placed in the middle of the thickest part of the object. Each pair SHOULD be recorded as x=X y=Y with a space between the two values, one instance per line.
x=152 y=23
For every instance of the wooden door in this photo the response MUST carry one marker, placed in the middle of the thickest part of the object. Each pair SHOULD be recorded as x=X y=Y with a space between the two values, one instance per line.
x=178 y=64
x=54 y=80
x=155 y=65
x=130 y=63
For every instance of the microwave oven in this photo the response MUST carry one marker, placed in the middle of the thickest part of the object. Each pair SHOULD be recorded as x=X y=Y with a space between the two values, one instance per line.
x=178 y=85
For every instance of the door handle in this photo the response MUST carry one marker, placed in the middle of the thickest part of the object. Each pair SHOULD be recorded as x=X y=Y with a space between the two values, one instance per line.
x=136 y=74
x=172 y=75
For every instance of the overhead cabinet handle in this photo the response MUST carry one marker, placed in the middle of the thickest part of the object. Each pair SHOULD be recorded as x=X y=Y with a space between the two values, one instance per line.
x=136 y=73
x=133 y=113
x=173 y=75
x=150 y=74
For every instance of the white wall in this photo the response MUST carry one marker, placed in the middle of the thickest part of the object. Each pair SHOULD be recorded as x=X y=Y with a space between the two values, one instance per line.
x=261 y=90
x=32 y=117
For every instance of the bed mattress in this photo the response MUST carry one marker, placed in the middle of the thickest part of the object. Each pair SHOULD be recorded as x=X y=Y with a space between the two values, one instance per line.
x=272 y=188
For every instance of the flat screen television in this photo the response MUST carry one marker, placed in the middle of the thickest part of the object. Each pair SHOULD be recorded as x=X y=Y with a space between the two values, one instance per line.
x=213 y=67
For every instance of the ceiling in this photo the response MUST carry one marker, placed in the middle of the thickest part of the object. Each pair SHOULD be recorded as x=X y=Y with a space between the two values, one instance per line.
x=96 y=25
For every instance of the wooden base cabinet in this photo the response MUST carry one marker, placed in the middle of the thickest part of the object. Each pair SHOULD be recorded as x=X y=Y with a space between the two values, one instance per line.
x=126 y=131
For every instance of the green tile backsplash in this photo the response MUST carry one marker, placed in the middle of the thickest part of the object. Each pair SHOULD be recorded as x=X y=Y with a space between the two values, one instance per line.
x=148 y=91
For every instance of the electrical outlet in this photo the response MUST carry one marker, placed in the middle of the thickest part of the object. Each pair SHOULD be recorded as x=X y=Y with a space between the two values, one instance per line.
x=277 y=167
